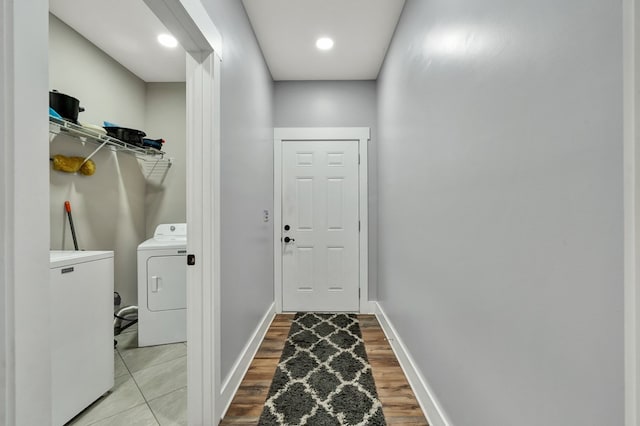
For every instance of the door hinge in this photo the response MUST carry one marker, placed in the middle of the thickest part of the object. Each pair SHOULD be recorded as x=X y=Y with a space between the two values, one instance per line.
x=191 y=259
x=358 y=158
x=358 y=226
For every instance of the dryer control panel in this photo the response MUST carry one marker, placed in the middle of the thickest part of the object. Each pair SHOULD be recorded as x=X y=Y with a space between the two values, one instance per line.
x=170 y=231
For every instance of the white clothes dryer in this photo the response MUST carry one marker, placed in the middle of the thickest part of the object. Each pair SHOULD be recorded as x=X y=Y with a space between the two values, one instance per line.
x=162 y=290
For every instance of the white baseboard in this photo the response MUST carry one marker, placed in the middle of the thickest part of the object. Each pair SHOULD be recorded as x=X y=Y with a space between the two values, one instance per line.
x=232 y=383
x=370 y=307
x=424 y=394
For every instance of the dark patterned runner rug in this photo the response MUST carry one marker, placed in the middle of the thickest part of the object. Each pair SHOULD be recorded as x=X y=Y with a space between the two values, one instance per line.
x=324 y=377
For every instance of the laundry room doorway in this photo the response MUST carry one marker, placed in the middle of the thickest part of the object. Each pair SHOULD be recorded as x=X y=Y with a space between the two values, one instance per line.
x=190 y=23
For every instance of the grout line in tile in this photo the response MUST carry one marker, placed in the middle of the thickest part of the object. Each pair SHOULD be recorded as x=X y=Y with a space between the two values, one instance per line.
x=162 y=396
x=113 y=415
x=138 y=386
x=123 y=363
x=131 y=376
x=110 y=391
x=142 y=393
x=152 y=412
x=159 y=364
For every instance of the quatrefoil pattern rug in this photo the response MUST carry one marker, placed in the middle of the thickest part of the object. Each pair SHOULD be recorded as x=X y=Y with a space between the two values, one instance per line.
x=324 y=377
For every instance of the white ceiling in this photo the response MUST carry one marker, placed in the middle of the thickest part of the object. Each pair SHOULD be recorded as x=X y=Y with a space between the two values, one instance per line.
x=126 y=30
x=286 y=30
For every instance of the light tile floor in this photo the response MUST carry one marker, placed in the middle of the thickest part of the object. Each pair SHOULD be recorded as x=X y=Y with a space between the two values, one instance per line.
x=150 y=387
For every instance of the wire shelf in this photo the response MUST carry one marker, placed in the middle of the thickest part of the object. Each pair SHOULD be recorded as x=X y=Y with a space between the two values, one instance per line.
x=57 y=126
x=153 y=163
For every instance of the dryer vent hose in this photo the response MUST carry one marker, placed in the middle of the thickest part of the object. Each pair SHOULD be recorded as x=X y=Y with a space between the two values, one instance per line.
x=128 y=314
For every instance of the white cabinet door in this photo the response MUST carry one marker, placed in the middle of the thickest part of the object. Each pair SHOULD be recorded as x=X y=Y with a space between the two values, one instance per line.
x=320 y=257
x=166 y=278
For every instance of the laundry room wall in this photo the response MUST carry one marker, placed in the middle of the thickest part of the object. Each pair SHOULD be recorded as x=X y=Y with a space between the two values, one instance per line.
x=109 y=207
x=501 y=207
x=166 y=118
x=337 y=104
x=246 y=180
x=105 y=88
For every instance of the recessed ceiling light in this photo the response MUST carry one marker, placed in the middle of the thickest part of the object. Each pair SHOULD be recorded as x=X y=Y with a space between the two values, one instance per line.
x=324 y=43
x=167 y=40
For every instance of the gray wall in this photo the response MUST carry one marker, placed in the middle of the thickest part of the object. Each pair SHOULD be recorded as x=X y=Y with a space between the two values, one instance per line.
x=108 y=207
x=501 y=207
x=247 y=180
x=336 y=104
x=105 y=88
x=166 y=117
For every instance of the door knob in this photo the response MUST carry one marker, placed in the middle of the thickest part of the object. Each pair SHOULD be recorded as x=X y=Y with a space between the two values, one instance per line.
x=287 y=239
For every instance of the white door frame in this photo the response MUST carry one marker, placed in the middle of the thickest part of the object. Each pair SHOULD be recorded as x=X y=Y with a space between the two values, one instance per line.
x=25 y=351
x=190 y=23
x=631 y=81
x=360 y=134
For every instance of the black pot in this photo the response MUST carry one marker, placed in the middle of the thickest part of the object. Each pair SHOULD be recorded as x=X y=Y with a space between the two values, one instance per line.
x=67 y=106
x=131 y=136
x=153 y=143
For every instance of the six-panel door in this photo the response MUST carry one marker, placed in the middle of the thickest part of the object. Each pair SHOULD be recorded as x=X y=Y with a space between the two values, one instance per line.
x=320 y=257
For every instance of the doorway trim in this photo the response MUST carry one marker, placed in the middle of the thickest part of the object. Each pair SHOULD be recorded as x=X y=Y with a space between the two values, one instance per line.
x=310 y=134
x=190 y=23
x=25 y=350
x=631 y=105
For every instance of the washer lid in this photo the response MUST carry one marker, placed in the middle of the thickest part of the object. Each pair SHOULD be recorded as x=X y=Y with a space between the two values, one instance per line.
x=61 y=258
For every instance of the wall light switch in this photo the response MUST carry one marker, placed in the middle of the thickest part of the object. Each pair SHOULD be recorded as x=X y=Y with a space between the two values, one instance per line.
x=265 y=215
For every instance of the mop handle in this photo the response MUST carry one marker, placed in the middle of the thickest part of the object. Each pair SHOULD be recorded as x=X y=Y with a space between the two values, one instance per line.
x=67 y=207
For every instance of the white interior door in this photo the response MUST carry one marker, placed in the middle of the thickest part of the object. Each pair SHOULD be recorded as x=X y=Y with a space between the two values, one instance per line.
x=320 y=226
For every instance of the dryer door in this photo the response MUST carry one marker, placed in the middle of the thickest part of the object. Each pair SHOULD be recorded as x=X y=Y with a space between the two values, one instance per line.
x=166 y=283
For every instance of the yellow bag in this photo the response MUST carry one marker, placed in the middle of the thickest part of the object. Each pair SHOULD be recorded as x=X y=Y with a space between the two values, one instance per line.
x=65 y=164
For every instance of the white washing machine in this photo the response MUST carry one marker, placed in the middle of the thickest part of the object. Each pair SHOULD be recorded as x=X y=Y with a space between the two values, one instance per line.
x=81 y=296
x=162 y=290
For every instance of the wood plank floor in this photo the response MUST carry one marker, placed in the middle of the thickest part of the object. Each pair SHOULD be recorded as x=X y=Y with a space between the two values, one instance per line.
x=398 y=401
